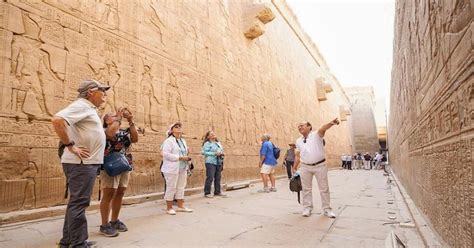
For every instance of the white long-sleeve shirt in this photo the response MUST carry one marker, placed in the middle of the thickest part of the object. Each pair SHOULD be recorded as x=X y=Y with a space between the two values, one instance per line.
x=171 y=154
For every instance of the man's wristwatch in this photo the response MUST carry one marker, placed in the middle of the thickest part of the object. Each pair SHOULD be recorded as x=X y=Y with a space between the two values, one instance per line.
x=70 y=144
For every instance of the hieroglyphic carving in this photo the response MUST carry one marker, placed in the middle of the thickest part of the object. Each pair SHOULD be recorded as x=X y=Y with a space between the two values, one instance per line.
x=109 y=75
x=174 y=98
x=162 y=66
x=148 y=96
x=228 y=119
x=32 y=91
x=432 y=113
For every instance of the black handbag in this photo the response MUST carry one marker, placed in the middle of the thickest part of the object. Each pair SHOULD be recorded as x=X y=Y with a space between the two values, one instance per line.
x=116 y=163
x=295 y=185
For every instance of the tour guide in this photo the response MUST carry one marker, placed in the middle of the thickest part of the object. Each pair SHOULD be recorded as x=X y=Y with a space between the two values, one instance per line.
x=310 y=153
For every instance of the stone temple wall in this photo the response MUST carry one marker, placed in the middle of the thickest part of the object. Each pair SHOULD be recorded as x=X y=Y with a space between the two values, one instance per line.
x=364 y=128
x=242 y=68
x=431 y=129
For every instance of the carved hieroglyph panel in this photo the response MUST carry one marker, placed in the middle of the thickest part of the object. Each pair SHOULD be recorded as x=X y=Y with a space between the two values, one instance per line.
x=165 y=60
x=432 y=113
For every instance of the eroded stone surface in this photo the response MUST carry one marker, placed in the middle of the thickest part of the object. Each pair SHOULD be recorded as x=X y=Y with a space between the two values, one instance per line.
x=431 y=138
x=364 y=128
x=165 y=68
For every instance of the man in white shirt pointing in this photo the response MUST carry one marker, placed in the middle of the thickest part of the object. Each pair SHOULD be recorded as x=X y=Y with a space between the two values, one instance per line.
x=310 y=154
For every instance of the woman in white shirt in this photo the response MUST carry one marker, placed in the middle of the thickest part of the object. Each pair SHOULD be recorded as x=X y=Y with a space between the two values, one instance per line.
x=175 y=165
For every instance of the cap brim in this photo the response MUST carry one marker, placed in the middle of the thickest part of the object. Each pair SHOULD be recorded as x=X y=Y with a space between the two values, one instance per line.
x=104 y=87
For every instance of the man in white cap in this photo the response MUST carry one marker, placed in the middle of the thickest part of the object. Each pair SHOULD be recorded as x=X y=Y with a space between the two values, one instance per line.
x=310 y=154
x=80 y=130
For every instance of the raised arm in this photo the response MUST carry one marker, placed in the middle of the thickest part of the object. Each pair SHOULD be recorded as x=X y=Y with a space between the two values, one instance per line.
x=322 y=130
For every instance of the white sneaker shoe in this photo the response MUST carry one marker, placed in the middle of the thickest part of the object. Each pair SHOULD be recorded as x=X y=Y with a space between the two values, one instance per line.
x=185 y=209
x=329 y=213
x=273 y=189
x=171 y=212
x=306 y=213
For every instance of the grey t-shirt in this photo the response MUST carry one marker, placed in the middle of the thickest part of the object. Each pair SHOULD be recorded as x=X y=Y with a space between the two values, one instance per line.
x=290 y=155
x=85 y=129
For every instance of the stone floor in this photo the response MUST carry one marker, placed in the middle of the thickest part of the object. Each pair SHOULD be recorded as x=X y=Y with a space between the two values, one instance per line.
x=249 y=219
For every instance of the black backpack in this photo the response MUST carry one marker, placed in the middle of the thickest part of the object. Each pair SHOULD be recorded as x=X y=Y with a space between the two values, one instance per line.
x=295 y=185
x=276 y=151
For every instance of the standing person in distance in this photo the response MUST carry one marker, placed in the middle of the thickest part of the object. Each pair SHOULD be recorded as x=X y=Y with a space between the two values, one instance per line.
x=175 y=166
x=213 y=152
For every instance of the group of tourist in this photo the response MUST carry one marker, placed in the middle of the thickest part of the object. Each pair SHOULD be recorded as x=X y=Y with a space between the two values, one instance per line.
x=86 y=141
x=363 y=161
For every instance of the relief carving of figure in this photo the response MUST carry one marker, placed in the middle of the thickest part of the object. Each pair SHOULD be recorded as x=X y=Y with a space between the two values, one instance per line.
x=209 y=111
x=148 y=98
x=174 y=99
x=153 y=16
x=109 y=75
x=28 y=62
x=228 y=119
x=107 y=12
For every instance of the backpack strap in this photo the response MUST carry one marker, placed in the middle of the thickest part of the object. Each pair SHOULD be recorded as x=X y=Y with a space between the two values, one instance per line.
x=66 y=191
x=299 y=197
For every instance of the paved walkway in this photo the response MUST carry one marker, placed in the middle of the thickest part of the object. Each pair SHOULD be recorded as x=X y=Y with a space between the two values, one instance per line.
x=251 y=219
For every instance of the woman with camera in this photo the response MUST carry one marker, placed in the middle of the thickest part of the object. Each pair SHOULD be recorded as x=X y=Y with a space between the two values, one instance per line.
x=213 y=153
x=118 y=140
x=175 y=168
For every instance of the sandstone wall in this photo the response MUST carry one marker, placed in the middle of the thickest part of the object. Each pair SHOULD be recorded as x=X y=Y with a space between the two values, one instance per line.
x=167 y=61
x=431 y=134
x=363 y=119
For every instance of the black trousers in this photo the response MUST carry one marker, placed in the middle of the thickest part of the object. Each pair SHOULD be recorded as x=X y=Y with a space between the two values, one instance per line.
x=289 y=165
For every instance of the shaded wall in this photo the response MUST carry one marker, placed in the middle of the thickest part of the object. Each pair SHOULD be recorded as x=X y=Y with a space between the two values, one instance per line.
x=364 y=127
x=431 y=135
x=166 y=61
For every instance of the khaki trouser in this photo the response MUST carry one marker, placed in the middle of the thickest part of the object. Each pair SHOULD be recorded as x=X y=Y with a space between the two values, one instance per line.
x=321 y=172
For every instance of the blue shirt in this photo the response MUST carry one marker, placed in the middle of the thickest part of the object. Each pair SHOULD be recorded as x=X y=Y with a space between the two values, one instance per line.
x=209 y=150
x=267 y=151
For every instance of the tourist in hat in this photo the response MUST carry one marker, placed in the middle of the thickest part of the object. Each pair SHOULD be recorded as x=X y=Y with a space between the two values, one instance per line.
x=267 y=164
x=80 y=130
x=289 y=160
x=175 y=168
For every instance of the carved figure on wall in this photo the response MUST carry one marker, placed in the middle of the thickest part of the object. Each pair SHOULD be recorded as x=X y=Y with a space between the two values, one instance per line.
x=28 y=93
x=147 y=97
x=174 y=99
x=228 y=119
x=209 y=111
x=29 y=172
x=245 y=128
x=109 y=75
x=257 y=128
x=107 y=12
x=152 y=16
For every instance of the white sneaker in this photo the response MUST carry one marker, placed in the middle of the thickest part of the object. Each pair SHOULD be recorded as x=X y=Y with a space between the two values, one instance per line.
x=185 y=209
x=171 y=212
x=306 y=213
x=273 y=189
x=209 y=196
x=329 y=213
